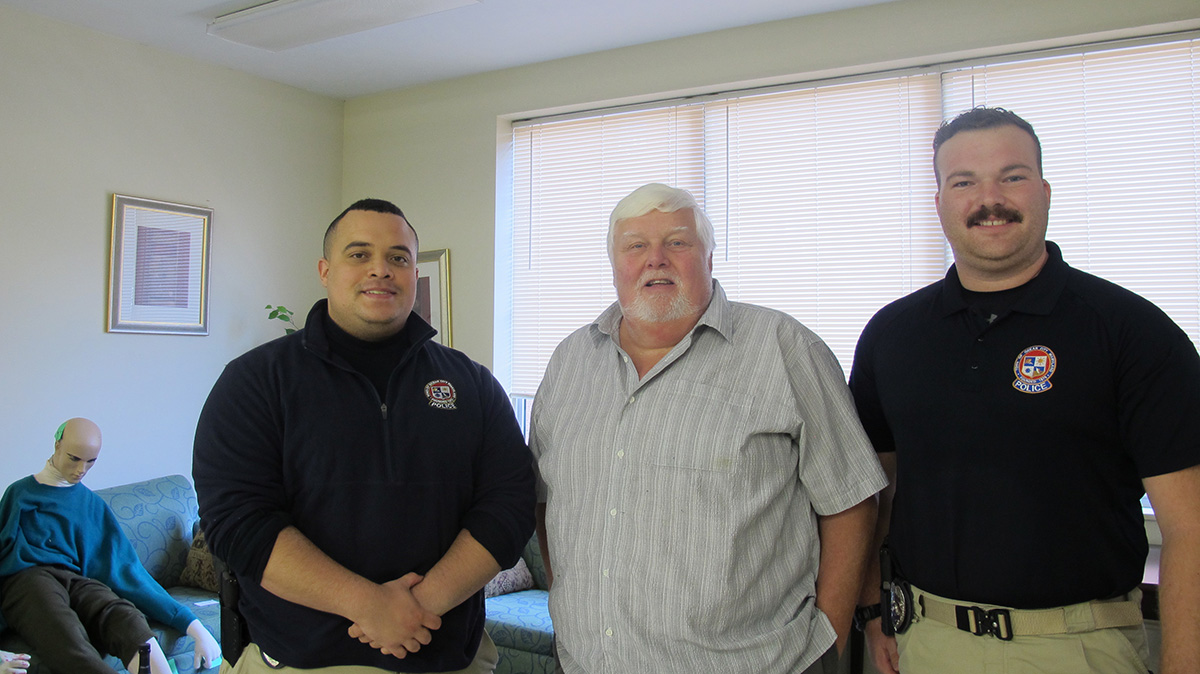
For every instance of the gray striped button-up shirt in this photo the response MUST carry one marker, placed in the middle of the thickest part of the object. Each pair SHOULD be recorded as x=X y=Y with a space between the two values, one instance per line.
x=682 y=506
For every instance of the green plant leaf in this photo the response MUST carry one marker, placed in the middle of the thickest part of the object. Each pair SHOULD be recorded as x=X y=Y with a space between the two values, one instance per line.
x=282 y=313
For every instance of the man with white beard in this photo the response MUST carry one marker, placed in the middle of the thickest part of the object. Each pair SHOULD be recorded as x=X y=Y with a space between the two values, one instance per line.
x=706 y=492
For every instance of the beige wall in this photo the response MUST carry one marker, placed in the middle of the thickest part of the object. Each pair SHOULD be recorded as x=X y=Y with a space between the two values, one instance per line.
x=83 y=116
x=433 y=149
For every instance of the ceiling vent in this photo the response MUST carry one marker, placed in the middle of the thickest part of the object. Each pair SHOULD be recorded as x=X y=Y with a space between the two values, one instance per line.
x=283 y=24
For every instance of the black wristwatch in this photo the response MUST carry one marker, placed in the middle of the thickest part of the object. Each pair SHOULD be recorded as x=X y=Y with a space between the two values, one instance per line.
x=865 y=614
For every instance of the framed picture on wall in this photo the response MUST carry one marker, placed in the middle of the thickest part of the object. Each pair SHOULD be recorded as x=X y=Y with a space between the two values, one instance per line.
x=158 y=267
x=433 y=292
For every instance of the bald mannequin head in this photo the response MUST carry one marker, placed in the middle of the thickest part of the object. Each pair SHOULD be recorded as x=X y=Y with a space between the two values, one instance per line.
x=76 y=447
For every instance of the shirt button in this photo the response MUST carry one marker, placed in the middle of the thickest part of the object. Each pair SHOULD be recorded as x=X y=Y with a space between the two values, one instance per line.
x=631 y=399
x=620 y=454
x=608 y=631
x=613 y=512
x=605 y=572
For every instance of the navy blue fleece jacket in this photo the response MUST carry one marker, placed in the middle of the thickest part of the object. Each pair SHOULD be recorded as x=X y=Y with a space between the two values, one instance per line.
x=292 y=435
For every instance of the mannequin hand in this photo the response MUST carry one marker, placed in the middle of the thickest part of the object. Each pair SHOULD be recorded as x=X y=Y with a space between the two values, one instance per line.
x=208 y=651
x=13 y=663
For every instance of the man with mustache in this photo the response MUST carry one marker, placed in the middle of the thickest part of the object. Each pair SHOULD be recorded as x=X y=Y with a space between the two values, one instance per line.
x=1021 y=409
x=707 y=491
x=362 y=481
x=71 y=583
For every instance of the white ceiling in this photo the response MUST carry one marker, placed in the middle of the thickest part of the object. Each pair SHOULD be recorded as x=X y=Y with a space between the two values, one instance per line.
x=491 y=35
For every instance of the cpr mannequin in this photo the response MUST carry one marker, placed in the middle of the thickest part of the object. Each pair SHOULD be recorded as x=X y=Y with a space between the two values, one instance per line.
x=67 y=570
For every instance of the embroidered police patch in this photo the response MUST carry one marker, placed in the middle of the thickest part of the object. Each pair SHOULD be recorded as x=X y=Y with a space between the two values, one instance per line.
x=1033 y=368
x=441 y=394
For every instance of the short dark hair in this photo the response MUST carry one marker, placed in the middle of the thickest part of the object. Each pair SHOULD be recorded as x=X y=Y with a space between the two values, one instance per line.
x=374 y=205
x=978 y=119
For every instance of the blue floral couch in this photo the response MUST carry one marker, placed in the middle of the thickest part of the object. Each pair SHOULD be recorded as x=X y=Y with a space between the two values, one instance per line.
x=519 y=622
x=160 y=518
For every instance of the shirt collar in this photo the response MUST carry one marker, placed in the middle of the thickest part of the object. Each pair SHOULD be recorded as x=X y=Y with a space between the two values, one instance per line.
x=1040 y=295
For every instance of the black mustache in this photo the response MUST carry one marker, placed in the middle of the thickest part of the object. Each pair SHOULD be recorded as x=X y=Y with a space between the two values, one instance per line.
x=994 y=213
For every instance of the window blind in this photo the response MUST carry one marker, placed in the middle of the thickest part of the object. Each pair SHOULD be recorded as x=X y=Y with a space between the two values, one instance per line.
x=822 y=196
x=822 y=201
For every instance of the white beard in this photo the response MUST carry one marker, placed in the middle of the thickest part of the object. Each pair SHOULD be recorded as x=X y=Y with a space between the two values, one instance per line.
x=645 y=310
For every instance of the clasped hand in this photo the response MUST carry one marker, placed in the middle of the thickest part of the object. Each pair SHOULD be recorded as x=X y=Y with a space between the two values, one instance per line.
x=396 y=623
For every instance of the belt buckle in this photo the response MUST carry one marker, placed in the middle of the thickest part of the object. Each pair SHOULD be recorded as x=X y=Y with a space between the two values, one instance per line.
x=996 y=622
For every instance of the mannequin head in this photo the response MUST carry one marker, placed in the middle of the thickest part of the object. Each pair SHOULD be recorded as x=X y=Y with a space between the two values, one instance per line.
x=76 y=447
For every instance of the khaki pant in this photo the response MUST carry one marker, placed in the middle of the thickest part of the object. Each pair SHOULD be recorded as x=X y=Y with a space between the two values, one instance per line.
x=251 y=662
x=931 y=647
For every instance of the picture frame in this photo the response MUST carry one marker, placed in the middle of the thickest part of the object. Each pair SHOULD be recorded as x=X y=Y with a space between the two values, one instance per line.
x=158 y=267
x=433 y=292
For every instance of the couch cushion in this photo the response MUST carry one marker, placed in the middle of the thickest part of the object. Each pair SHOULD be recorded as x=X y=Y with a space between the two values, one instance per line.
x=513 y=661
x=521 y=620
x=208 y=611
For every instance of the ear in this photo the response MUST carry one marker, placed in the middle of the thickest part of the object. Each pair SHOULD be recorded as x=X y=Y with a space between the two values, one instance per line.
x=1046 y=186
x=323 y=271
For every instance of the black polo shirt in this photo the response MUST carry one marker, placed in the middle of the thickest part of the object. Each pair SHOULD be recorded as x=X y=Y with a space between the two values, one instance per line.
x=1021 y=442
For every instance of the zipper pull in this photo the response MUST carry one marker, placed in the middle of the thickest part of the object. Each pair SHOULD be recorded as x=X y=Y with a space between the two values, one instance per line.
x=383 y=410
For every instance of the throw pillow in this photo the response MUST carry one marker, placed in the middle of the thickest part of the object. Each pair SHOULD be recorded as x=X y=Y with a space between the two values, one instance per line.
x=198 y=572
x=510 y=580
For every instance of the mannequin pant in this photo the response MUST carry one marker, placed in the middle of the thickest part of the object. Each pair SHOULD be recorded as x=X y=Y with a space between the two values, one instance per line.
x=62 y=614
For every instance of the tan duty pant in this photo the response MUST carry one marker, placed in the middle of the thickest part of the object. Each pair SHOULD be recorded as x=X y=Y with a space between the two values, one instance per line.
x=931 y=647
x=251 y=662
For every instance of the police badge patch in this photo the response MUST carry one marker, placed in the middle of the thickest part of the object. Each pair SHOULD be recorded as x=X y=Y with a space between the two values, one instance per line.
x=1033 y=368
x=441 y=394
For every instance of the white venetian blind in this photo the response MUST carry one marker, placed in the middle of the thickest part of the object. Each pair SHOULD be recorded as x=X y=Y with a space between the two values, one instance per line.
x=1121 y=150
x=567 y=176
x=822 y=198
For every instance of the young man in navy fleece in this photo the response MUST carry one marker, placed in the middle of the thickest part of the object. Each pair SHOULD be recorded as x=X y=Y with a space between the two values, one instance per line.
x=362 y=481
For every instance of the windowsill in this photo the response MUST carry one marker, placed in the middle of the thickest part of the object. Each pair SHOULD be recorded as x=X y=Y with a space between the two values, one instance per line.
x=1153 y=534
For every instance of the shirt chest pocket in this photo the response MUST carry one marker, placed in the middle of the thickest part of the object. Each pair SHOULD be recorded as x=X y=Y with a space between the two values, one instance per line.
x=699 y=428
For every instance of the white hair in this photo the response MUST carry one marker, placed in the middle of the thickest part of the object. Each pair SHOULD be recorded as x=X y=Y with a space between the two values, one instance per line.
x=663 y=198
